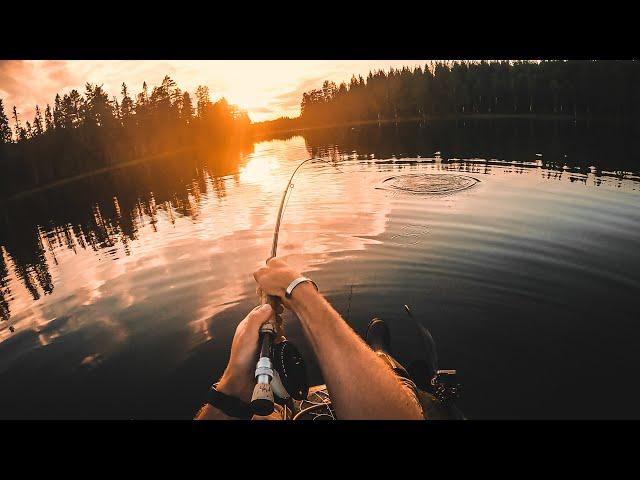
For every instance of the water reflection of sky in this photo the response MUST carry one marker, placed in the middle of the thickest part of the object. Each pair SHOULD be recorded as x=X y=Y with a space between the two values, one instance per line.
x=205 y=260
x=183 y=280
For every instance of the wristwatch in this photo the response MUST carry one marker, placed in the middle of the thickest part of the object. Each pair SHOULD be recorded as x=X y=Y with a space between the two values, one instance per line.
x=289 y=290
x=231 y=406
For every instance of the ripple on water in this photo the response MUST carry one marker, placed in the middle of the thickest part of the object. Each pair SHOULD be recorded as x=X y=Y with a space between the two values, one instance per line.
x=429 y=183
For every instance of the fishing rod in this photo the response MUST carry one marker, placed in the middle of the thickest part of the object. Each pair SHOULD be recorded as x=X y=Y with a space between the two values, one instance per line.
x=262 y=400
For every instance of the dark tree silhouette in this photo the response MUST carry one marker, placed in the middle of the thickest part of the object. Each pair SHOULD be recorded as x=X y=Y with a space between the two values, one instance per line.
x=37 y=123
x=48 y=118
x=203 y=102
x=17 y=121
x=21 y=133
x=83 y=133
x=5 y=128
x=126 y=107
x=57 y=112
x=186 y=111
x=578 y=88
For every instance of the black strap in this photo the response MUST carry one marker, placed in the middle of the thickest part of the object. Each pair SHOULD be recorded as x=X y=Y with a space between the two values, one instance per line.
x=231 y=406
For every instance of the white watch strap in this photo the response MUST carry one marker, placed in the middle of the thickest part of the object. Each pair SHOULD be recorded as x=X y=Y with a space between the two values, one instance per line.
x=295 y=283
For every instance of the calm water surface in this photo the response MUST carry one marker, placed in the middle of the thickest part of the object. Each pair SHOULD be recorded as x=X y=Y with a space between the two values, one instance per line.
x=123 y=290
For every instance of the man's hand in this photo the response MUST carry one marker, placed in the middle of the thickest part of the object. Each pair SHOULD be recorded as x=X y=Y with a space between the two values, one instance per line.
x=276 y=277
x=238 y=378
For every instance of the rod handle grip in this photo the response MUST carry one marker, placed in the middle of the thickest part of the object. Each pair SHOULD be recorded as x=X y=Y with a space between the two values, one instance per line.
x=262 y=399
x=274 y=302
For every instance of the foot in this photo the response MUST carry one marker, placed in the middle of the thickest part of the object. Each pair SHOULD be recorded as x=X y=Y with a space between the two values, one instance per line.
x=424 y=366
x=379 y=339
x=378 y=336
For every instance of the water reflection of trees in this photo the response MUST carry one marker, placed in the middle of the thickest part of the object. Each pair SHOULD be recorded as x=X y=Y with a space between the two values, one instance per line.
x=4 y=288
x=554 y=143
x=104 y=212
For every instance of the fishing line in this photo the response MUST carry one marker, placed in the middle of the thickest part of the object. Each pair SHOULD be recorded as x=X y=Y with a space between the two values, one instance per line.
x=352 y=276
x=285 y=200
x=262 y=400
x=287 y=197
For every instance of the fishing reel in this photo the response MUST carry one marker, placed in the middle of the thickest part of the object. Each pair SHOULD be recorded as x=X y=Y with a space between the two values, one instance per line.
x=281 y=373
x=290 y=372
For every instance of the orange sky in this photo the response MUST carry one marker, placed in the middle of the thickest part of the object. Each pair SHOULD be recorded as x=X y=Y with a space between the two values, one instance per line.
x=267 y=89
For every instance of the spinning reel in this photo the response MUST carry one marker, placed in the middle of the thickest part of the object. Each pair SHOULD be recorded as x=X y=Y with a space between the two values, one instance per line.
x=281 y=374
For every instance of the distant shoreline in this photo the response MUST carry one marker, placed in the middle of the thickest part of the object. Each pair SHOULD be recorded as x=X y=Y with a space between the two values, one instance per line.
x=260 y=133
x=477 y=116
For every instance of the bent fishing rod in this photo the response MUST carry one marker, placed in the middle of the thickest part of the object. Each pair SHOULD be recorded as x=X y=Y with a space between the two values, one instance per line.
x=262 y=400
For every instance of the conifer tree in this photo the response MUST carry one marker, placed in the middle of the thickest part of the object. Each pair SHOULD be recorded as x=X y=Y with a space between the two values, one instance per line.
x=5 y=128
x=17 y=122
x=186 y=111
x=37 y=123
x=126 y=107
x=48 y=118
x=203 y=101
x=57 y=112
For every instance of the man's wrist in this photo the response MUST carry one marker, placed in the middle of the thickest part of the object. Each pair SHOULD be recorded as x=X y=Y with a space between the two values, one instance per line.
x=301 y=294
x=234 y=387
x=221 y=404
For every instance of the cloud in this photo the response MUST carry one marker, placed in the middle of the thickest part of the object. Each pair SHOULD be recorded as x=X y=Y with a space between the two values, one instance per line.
x=261 y=110
x=288 y=103
x=292 y=98
x=57 y=72
x=22 y=82
x=27 y=83
x=267 y=89
x=11 y=73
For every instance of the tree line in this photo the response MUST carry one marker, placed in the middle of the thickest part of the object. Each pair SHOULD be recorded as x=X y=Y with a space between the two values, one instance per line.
x=81 y=133
x=573 y=88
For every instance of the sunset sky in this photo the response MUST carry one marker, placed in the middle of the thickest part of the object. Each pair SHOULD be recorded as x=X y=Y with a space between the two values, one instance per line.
x=267 y=89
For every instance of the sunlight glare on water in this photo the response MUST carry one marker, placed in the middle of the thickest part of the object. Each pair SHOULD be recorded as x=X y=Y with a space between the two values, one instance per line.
x=259 y=170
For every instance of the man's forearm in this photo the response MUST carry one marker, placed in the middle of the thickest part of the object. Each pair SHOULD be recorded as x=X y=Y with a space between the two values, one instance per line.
x=360 y=384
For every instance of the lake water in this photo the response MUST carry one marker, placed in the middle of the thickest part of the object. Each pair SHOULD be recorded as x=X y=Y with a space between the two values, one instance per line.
x=120 y=292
